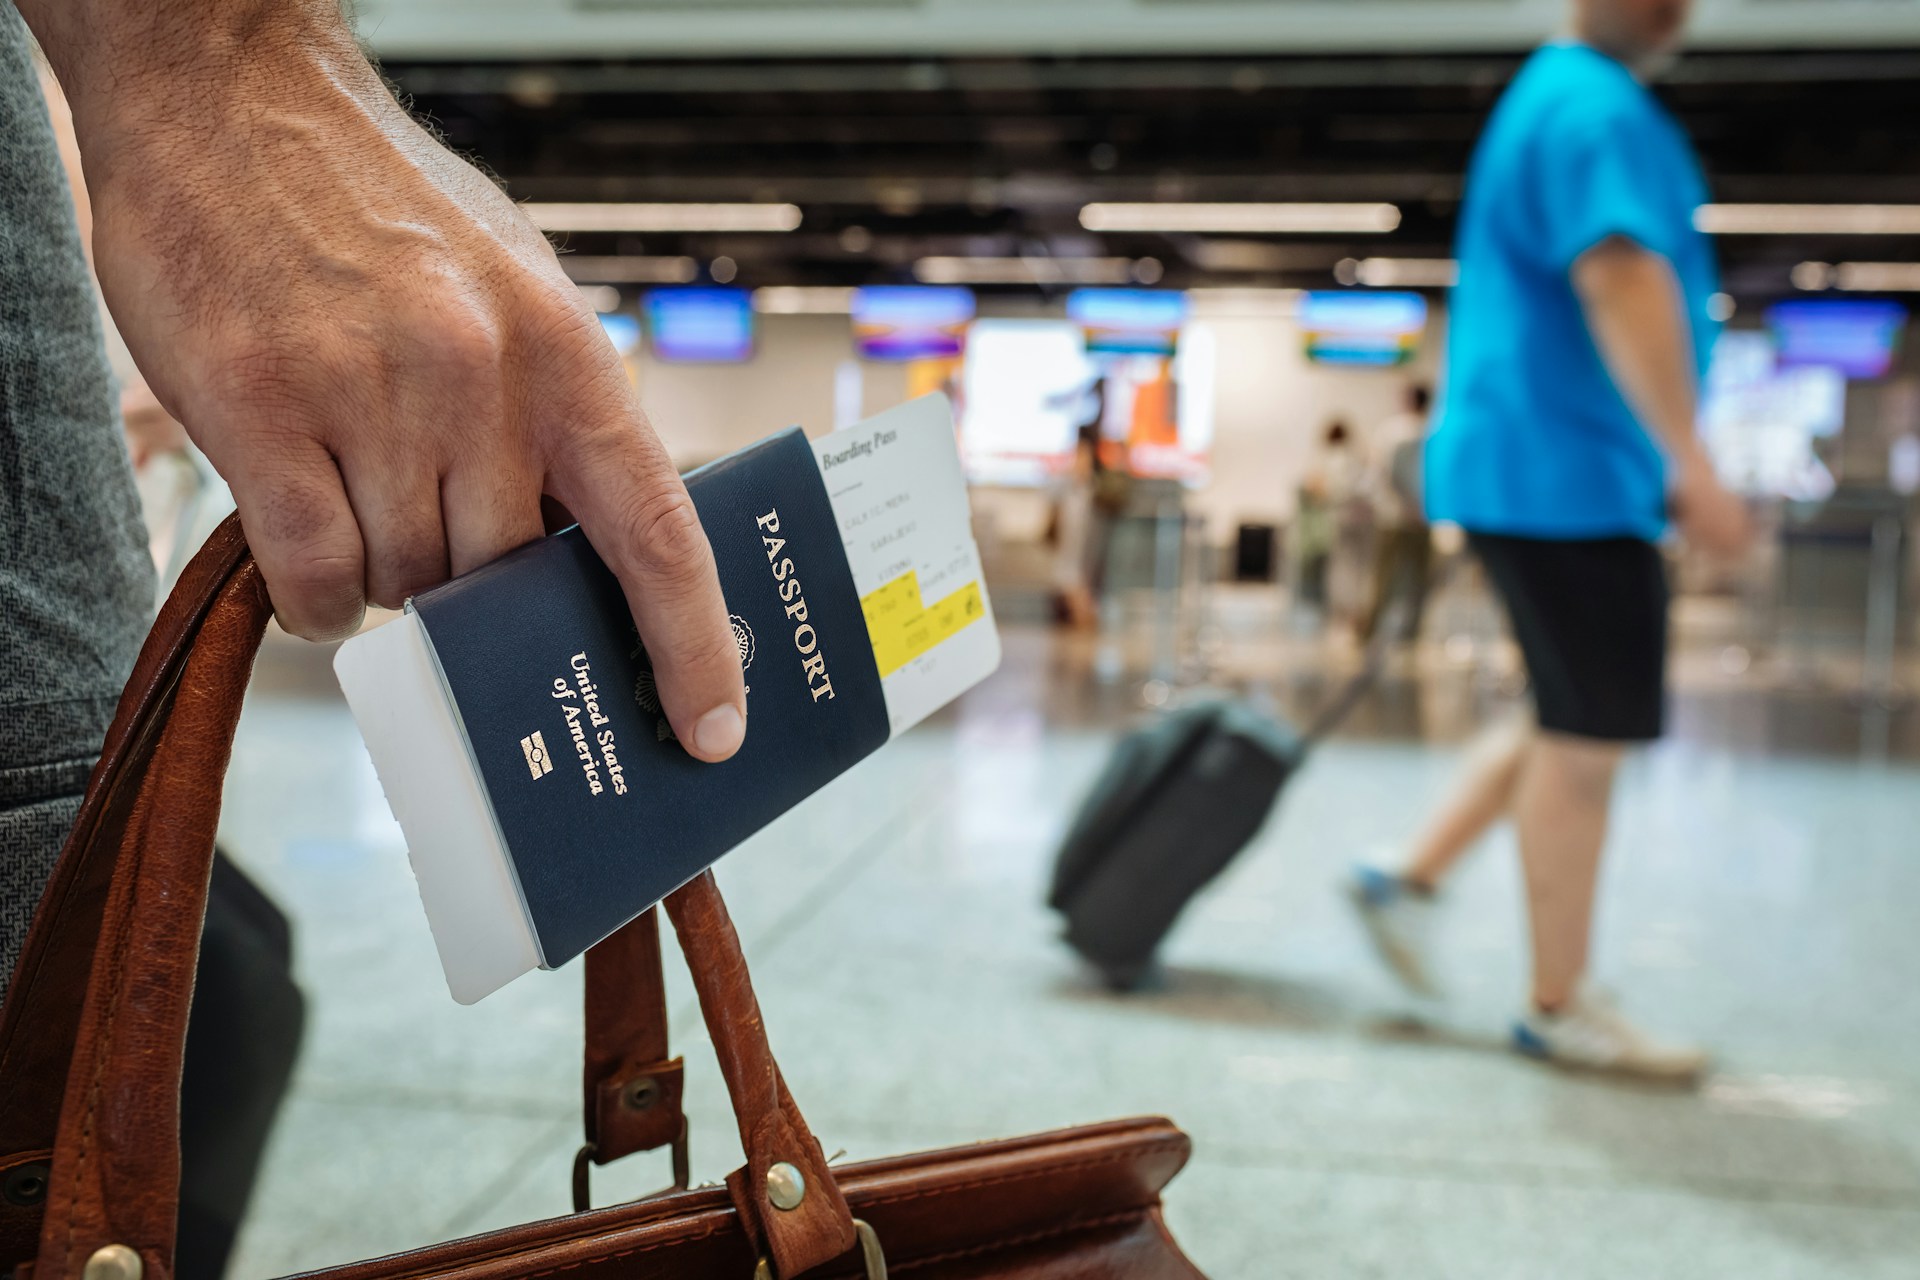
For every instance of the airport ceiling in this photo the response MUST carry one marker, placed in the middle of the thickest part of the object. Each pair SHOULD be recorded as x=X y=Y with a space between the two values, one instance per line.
x=896 y=160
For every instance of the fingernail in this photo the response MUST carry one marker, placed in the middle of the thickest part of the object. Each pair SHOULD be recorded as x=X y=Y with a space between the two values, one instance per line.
x=720 y=732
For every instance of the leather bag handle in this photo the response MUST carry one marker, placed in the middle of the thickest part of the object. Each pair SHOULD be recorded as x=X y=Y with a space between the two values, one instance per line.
x=632 y=1089
x=40 y=1022
x=120 y=922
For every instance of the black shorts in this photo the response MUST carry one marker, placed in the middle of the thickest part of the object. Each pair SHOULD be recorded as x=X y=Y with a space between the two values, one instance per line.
x=1591 y=621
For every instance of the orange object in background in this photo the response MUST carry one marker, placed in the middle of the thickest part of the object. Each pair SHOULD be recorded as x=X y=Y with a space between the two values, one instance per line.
x=938 y=373
x=1156 y=409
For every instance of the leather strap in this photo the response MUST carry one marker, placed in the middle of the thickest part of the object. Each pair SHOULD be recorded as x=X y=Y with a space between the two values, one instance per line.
x=98 y=1010
x=41 y=1020
x=632 y=1088
x=116 y=1166
x=820 y=1228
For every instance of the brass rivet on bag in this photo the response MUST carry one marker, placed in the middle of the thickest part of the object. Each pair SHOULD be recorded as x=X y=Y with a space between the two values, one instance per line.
x=113 y=1262
x=641 y=1094
x=786 y=1186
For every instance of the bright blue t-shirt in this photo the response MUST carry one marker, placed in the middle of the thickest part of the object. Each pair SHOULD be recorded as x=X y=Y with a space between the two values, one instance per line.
x=1533 y=437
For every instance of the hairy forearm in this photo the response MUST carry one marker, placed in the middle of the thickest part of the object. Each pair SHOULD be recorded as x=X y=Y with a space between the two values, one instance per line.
x=129 y=66
x=365 y=336
x=1638 y=318
x=182 y=103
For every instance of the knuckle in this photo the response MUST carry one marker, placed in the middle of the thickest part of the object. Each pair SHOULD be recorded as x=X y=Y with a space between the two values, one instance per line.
x=312 y=562
x=719 y=650
x=569 y=346
x=389 y=588
x=318 y=596
x=660 y=535
x=296 y=514
x=320 y=578
x=413 y=561
x=471 y=344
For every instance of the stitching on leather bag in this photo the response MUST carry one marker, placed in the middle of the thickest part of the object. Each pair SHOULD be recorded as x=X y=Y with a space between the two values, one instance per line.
x=1032 y=1171
x=116 y=980
x=1116 y=1157
x=116 y=976
x=626 y=1253
x=1071 y=1228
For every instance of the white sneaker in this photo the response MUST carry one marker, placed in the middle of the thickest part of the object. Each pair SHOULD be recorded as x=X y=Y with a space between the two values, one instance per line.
x=1590 y=1034
x=1400 y=922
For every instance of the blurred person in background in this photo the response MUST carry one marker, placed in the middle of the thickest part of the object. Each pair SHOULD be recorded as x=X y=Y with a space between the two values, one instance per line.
x=1580 y=332
x=365 y=337
x=1403 y=543
x=1075 y=549
x=1324 y=515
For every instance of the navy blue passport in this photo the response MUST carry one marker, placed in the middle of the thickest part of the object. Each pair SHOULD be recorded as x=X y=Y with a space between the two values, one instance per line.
x=601 y=812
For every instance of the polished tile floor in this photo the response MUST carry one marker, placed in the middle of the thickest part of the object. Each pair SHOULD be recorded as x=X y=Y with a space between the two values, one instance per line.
x=1763 y=902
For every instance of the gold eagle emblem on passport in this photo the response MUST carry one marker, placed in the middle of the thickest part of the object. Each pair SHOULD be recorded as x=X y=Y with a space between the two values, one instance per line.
x=742 y=636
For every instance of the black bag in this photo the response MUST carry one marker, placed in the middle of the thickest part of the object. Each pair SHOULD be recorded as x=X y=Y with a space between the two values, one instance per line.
x=243 y=1036
x=1177 y=801
x=1253 y=553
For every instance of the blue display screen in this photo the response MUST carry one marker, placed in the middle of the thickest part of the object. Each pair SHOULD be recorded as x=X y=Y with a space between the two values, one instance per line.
x=911 y=322
x=1367 y=329
x=1142 y=322
x=1856 y=336
x=700 y=324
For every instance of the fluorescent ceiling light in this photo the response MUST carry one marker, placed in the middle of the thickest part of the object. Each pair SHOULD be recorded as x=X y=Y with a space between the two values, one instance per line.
x=796 y=300
x=1858 y=277
x=1812 y=276
x=1244 y=302
x=1253 y=219
x=663 y=217
x=629 y=269
x=1034 y=270
x=1254 y=257
x=1399 y=273
x=1808 y=219
x=1878 y=277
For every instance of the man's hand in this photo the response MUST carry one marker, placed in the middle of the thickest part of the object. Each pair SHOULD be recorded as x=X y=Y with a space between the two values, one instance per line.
x=366 y=338
x=1712 y=518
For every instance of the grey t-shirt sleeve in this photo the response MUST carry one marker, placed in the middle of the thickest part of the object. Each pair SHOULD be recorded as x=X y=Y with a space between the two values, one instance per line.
x=76 y=583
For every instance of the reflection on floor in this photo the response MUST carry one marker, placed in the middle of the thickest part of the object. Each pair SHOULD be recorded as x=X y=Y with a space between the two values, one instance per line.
x=917 y=997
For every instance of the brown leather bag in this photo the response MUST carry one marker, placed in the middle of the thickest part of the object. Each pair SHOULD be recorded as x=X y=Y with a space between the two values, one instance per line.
x=92 y=1034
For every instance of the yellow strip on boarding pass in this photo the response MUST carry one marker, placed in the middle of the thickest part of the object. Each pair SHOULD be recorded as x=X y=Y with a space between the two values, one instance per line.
x=902 y=627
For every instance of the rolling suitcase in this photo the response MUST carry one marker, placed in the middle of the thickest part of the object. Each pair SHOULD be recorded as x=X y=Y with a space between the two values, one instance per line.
x=1177 y=801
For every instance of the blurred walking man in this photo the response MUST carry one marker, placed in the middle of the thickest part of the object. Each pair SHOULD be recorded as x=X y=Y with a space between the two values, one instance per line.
x=1580 y=330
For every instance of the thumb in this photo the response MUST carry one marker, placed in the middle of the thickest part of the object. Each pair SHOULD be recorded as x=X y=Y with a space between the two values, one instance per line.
x=636 y=513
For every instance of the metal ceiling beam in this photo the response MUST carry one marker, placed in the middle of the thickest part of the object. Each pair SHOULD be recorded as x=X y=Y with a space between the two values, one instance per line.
x=1013 y=75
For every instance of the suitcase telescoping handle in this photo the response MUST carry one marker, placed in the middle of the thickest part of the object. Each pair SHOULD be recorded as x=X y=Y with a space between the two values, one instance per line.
x=92 y=1034
x=1393 y=622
